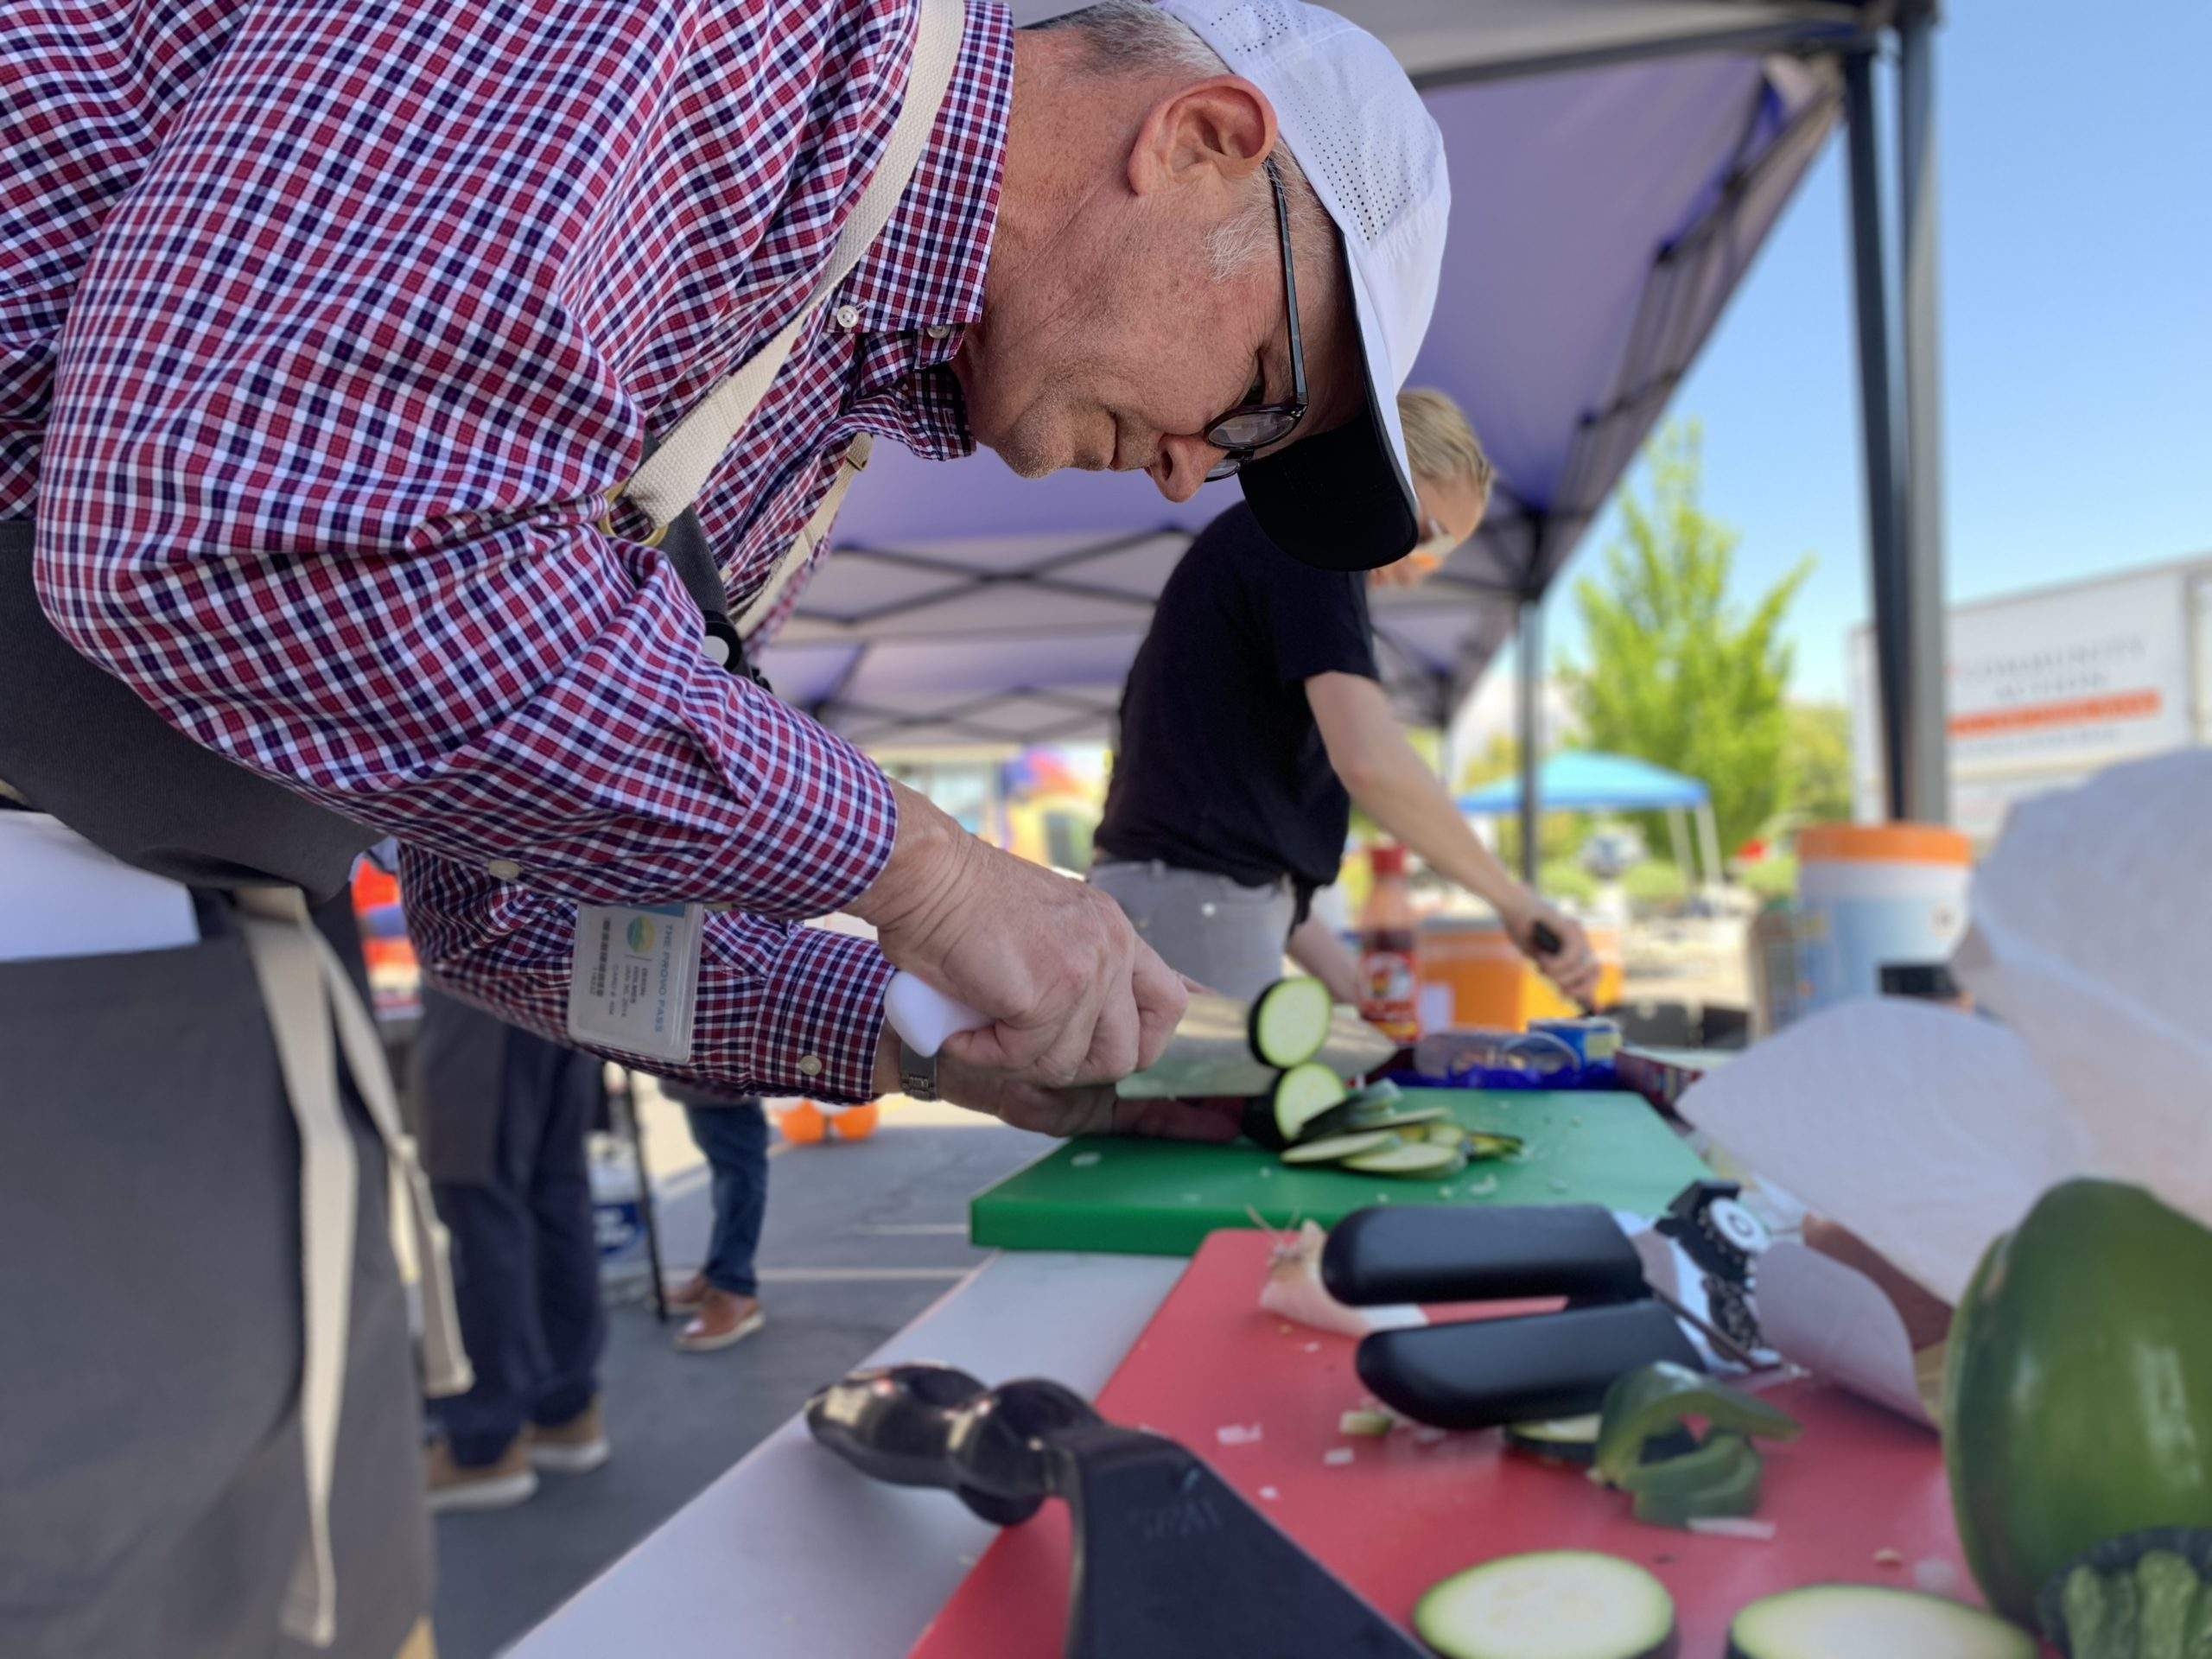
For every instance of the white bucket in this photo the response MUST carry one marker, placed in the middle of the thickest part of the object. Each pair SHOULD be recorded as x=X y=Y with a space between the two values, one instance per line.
x=1871 y=897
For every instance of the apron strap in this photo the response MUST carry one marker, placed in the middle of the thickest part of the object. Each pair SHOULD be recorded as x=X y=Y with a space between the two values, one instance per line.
x=303 y=988
x=672 y=476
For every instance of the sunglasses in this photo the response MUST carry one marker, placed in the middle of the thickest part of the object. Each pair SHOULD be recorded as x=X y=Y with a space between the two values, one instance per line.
x=1251 y=427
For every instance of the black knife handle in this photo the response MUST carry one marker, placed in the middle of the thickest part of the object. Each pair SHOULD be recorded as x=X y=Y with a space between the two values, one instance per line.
x=934 y=1425
x=1457 y=1253
x=1545 y=941
x=1488 y=1372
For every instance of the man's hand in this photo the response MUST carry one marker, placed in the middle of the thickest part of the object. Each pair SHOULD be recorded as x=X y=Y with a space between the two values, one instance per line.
x=1087 y=1108
x=1074 y=995
x=1573 y=966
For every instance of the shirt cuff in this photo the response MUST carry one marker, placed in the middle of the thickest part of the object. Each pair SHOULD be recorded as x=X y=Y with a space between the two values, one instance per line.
x=819 y=1018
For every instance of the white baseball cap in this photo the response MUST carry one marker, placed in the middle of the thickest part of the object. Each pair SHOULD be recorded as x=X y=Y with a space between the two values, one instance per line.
x=1372 y=152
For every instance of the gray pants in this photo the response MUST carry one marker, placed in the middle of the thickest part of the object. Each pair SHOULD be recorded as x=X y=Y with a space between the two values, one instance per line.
x=1228 y=937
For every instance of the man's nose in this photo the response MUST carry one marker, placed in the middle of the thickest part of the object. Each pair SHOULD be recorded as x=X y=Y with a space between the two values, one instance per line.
x=1181 y=465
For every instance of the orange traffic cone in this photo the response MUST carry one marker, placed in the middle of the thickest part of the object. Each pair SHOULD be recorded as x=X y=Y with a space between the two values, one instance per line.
x=857 y=1122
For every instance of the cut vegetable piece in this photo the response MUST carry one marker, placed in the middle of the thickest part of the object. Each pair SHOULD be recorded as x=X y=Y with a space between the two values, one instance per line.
x=1336 y=1147
x=1565 y=1603
x=1716 y=1460
x=2162 y=1560
x=1863 y=1621
x=1290 y=1021
x=1351 y=1116
x=1412 y=1158
x=1366 y=1425
x=1563 y=1440
x=1482 y=1143
x=1446 y=1134
x=1575 y=1440
x=1381 y=1096
x=1641 y=1403
x=1729 y=1489
x=1302 y=1094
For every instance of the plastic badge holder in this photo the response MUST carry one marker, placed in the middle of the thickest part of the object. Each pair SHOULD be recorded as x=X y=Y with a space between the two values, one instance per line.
x=1495 y=1059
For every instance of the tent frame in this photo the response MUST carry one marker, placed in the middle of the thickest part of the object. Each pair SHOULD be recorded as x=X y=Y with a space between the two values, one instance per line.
x=1901 y=426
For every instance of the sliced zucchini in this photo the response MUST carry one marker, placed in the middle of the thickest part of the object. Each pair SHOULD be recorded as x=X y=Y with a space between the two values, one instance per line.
x=1418 y=1159
x=1381 y=1095
x=1864 y=1621
x=1289 y=1022
x=1485 y=1143
x=1302 y=1094
x=1350 y=1115
x=1562 y=1604
x=1335 y=1148
x=1446 y=1134
x=1574 y=1439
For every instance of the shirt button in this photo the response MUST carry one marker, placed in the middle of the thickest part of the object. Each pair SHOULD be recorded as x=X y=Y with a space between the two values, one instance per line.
x=503 y=869
x=937 y=331
x=1208 y=908
x=717 y=649
x=809 y=1065
x=846 y=316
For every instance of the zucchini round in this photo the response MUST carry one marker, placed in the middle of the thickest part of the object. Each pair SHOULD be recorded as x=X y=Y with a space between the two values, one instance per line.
x=1289 y=1022
x=1413 y=1160
x=1574 y=1439
x=1302 y=1094
x=1334 y=1148
x=1562 y=1603
x=1865 y=1621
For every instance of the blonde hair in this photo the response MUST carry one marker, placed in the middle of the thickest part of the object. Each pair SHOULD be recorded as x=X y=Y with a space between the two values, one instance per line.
x=1440 y=442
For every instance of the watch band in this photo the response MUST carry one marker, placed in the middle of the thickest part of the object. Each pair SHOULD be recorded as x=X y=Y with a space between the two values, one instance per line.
x=916 y=1071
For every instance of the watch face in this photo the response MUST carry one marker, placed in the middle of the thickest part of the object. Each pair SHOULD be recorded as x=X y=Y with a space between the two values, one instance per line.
x=1737 y=1225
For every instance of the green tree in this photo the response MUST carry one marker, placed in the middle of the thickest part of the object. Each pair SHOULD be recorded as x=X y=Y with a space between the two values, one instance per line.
x=1677 y=675
x=1820 y=755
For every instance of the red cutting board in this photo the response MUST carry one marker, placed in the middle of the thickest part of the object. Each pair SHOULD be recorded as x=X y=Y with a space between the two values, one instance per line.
x=1404 y=1514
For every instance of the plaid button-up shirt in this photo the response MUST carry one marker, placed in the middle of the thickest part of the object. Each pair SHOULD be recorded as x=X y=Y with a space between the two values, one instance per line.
x=326 y=329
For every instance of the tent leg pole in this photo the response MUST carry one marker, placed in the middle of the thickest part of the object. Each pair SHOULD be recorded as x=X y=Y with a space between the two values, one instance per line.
x=1678 y=834
x=1709 y=839
x=1876 y=409
x=1925 y=774
x=1531 y=652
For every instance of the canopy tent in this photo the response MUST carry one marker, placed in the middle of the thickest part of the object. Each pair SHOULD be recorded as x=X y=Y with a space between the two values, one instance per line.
x=1618 y=163
x=1584 y=780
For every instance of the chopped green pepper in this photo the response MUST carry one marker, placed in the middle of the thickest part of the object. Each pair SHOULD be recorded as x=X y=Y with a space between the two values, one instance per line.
x=1731 y=1486
x=1659 y=1397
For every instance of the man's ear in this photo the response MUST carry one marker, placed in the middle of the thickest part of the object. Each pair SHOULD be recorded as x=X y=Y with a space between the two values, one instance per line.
x=1219 y=129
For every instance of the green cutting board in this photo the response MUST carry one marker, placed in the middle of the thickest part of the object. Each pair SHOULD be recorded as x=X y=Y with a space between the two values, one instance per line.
x=1160 y=1198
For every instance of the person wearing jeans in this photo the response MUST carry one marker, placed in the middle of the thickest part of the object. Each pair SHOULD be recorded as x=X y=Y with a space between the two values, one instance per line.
x=504 y=1117
x=723 y=1297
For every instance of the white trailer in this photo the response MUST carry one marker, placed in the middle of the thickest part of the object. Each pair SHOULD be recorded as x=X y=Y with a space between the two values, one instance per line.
x=2046 y=686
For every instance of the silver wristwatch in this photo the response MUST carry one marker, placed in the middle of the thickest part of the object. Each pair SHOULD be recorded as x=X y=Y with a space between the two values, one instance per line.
x=916 y=1071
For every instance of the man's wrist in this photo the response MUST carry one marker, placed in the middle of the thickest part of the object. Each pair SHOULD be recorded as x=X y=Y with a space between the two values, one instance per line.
x=924 y=851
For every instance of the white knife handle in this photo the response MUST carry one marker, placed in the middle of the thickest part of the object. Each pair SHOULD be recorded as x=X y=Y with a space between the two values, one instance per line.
x=926 y=1016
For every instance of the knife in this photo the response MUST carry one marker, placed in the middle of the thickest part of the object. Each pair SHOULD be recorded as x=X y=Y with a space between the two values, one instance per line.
x=1209 y=1056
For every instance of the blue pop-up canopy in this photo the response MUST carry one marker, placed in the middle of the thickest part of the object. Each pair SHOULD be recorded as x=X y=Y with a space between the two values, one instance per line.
x=1585 y=780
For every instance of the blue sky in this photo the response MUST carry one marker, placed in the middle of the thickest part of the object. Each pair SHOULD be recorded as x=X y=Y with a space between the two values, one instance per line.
x=2076 y=192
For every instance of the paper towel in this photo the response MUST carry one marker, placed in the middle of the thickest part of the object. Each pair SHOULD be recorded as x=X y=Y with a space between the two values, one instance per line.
x=2090 y=935
x=1926 y=1131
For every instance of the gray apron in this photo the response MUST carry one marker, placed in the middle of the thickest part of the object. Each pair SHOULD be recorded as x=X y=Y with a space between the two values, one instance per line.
x=211 y=1427
x=151 y=1492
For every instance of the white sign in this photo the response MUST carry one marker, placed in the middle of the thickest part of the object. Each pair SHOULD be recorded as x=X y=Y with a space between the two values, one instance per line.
x=2044 y=690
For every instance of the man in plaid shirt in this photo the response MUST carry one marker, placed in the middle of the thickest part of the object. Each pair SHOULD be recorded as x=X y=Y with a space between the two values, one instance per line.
x=331 y=329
